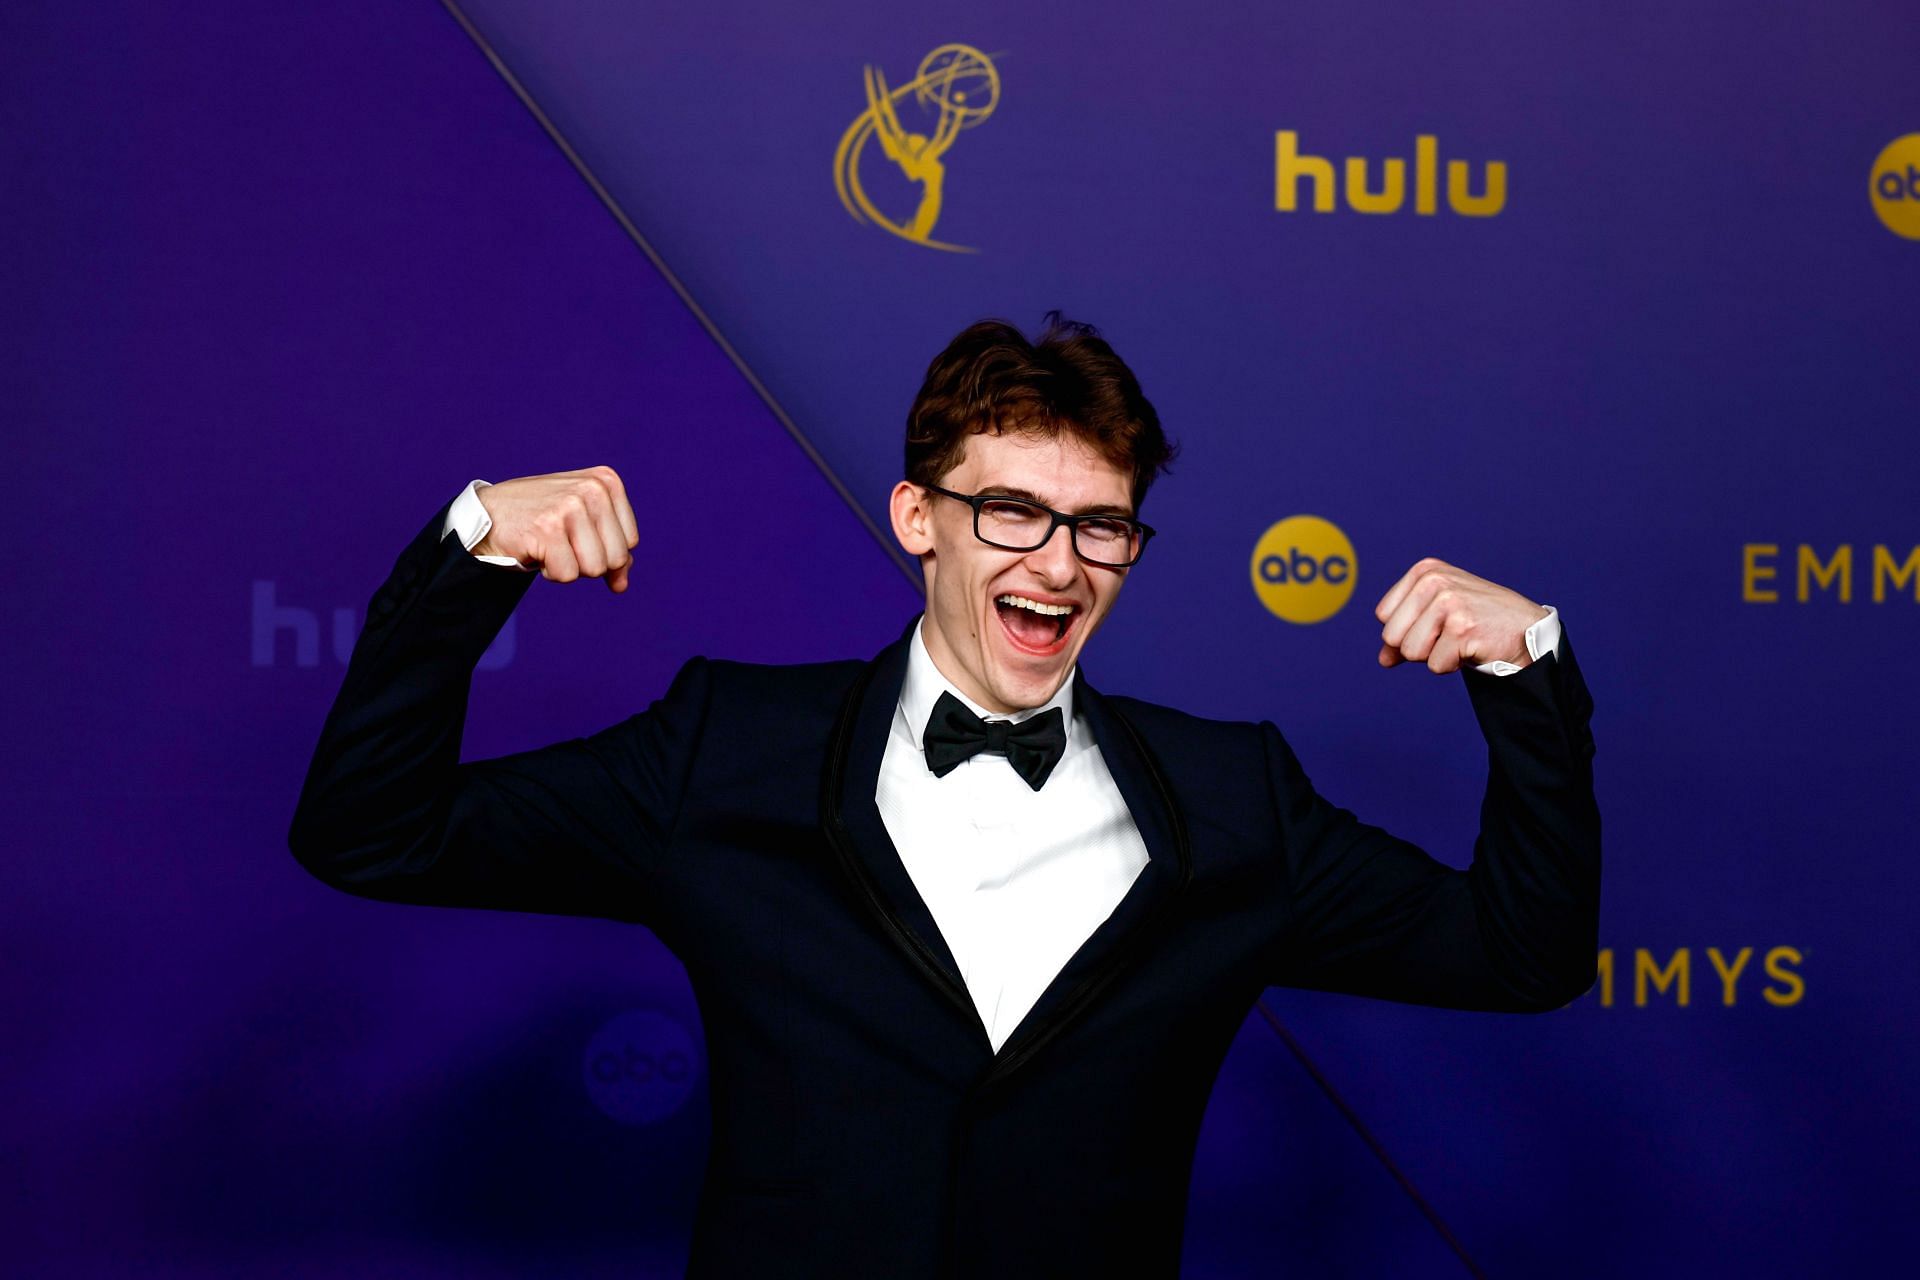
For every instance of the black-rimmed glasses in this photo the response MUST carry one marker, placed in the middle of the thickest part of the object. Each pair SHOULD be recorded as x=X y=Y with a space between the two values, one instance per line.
x=1015 y=524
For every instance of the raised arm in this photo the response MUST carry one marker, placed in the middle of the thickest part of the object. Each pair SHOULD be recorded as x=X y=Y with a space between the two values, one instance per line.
x=943 y=134
x=885 y=123
x=1518 y=930
x=389 y=812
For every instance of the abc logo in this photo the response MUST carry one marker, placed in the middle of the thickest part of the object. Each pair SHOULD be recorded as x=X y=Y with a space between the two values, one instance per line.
x=1895 y=186
x=1303 y=569
x=640 y=1067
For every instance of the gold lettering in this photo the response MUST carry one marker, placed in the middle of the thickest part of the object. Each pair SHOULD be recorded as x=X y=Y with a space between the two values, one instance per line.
x=1388 y=200
x=1606 y=977
x=1492 y=201
x=1290 y=165
x=1840 y=567
x=1884 y=568
x=1751 y=572
x=1426 y=171
x=1796 y=985
x=1729 y=976
x=1676 y=973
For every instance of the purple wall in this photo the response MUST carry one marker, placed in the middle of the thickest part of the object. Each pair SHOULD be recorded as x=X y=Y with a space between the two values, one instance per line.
x=284 y=280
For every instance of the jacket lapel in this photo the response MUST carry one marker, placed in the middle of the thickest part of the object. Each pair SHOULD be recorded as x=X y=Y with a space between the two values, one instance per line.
x=852 y=822
x=1122 y=936
x=851 y=819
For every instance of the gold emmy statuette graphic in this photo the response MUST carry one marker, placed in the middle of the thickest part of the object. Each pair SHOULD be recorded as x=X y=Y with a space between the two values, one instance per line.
x=956 y=81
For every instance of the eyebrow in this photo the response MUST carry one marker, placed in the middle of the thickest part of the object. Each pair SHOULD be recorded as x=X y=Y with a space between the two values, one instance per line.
x=1098 y=509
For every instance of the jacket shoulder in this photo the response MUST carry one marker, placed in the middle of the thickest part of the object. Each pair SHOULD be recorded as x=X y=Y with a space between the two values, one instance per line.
x=1155 y=718
x=771 y=689
x=1185 y=742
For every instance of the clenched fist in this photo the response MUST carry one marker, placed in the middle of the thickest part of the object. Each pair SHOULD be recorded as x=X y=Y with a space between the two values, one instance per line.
x=573 y=524
x=1448 y=619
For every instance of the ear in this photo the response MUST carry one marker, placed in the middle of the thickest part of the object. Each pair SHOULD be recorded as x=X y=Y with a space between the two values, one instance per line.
x=912 y=511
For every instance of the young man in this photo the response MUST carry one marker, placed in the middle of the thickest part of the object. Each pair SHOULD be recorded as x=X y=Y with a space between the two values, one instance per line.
x=970 y=938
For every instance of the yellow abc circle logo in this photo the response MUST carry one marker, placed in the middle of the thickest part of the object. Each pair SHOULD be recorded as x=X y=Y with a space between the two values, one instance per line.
x=1303 y=569
x=1895 y=186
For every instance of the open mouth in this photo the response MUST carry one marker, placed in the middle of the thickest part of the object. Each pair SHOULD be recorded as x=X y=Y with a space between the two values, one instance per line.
x=1035 y=626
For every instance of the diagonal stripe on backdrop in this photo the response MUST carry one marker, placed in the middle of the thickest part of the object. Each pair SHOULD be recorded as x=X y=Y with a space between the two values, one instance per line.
x=706 y=322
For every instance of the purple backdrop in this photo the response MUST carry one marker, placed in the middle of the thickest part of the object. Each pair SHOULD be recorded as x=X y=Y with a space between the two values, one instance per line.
x=284 y=280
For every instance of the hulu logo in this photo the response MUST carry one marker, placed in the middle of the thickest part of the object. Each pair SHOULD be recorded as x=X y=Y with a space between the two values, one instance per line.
x=271 y=620
x=1385 y=192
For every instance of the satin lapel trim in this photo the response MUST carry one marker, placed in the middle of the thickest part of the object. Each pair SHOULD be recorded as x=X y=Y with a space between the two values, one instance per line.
x=1124 y=934
x=851 y=819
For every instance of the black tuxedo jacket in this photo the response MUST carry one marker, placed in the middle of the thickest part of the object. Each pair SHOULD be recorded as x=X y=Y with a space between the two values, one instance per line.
x=862 y=1123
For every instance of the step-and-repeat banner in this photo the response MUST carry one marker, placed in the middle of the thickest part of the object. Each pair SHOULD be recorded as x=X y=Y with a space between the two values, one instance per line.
x=1613 y=305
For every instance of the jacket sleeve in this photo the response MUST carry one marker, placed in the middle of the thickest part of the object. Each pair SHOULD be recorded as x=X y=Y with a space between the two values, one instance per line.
x=389 y=812
x=1517 y=931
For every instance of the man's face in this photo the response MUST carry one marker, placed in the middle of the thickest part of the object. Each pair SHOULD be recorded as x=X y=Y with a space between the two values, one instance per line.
x=979 y=629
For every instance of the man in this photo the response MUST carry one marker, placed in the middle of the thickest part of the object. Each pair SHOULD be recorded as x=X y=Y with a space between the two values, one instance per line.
x=970 y=938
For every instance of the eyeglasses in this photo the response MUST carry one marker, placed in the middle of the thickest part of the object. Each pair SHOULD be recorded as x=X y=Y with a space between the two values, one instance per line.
x=1014 y=524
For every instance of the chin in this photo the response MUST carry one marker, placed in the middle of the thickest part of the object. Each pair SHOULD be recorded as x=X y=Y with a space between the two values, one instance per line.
x=1030 y=690
x=1023 y=683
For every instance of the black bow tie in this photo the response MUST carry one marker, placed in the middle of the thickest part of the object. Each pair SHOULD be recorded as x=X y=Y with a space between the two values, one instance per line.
x=955 y=734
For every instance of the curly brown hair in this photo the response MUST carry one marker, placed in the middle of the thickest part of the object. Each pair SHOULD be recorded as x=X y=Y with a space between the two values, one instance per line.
x=992 y=379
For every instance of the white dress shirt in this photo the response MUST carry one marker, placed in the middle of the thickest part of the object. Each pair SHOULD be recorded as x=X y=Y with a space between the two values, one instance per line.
x=468 y=517
x=1015 y=879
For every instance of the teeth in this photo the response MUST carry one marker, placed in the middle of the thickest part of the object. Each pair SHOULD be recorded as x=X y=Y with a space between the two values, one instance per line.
x=1050 y=610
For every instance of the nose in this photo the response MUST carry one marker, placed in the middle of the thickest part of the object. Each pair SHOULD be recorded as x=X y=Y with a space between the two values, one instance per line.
x=1055 y=560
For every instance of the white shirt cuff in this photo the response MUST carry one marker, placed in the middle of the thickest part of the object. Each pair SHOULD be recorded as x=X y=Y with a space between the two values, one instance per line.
x=1542 y=637
x=468 y=518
